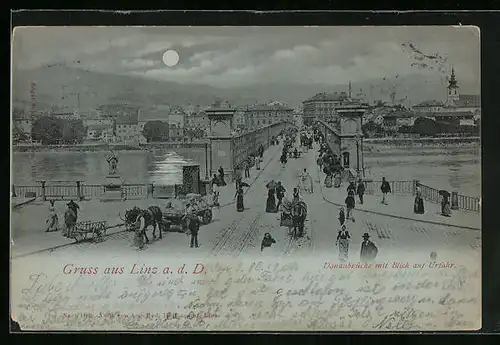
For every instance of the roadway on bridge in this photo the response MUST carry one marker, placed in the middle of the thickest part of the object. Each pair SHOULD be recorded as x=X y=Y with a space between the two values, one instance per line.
x=233 y=234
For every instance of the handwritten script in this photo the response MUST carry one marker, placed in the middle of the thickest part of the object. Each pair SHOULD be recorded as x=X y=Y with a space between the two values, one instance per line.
x=247 y=295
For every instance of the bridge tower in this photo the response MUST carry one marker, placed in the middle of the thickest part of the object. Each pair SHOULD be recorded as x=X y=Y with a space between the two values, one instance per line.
x=351 y=136
x=220 y=116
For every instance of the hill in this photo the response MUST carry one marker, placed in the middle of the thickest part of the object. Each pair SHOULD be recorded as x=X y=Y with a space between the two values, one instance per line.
x=59 y=86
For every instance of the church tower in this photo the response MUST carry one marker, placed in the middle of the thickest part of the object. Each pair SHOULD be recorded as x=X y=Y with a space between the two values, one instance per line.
x=453 y=94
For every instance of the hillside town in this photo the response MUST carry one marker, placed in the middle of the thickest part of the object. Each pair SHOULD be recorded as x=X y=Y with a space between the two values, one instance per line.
x=123 y=123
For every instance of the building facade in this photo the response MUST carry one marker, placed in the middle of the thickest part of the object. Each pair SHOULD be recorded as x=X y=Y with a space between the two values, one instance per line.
x=261 y=115
x=127 y=130
x=99 y=129
x=322 y=106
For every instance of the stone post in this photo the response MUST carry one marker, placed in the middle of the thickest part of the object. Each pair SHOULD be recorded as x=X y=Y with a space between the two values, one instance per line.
x=44 y=198
x=13 y=192
x=454 y=200
x=79 y=191
x=221 y=150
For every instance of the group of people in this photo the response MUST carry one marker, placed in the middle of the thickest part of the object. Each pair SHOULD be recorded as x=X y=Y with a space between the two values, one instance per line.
x=70 y=218
x=368 y=251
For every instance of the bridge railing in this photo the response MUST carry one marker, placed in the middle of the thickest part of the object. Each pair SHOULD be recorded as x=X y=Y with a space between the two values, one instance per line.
x=245 y=144
x=430 y=194
x=74 y=190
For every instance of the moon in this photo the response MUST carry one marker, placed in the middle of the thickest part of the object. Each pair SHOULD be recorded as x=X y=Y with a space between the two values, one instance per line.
x=170 y=58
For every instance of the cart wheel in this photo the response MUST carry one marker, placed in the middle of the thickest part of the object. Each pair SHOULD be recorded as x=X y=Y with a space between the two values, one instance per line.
x=78 y=237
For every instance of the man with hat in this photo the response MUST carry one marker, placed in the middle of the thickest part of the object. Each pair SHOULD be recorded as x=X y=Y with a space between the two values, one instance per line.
x=369 y=250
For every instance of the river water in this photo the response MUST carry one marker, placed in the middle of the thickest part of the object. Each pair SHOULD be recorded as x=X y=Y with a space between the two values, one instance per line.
x=452 y=169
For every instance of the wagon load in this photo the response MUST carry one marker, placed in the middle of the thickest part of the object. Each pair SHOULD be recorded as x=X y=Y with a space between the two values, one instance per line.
x=174 y=214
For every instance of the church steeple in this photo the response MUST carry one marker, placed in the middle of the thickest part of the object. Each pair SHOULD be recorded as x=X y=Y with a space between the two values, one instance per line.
x=453 y=94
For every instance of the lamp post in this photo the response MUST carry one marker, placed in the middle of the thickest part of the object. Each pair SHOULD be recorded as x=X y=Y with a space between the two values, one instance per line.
x=206 y=161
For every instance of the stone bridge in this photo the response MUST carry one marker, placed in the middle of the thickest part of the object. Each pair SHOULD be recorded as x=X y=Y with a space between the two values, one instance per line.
x=229 y=151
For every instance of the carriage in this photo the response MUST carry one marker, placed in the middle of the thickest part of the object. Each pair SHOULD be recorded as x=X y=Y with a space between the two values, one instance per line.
x=293 y=216
x=174 y=213
x=89 y=230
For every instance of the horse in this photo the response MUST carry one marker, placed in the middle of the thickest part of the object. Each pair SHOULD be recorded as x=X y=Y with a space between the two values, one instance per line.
x=152 y=216
x=70 y=218
x=299 y=214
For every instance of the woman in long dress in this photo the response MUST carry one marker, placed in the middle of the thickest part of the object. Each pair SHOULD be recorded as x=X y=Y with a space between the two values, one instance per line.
x=271 y=201
x=239 y=200
x=257 y=163
x=53 y=220
x=343 y=238
x=419 y=201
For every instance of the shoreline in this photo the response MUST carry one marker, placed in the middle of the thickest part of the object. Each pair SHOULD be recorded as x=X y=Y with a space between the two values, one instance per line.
x=370 y=145
x=105 y=147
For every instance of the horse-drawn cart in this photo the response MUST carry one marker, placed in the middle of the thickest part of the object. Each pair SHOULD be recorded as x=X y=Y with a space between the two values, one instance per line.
x=175 y=215
x=87 y=230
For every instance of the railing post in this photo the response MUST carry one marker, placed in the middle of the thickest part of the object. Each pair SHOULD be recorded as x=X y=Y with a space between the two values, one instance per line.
x=13 y=192
x=415 y=183
x=150 y=190
x=78 y=191
x=454 y=200
x=44 y=198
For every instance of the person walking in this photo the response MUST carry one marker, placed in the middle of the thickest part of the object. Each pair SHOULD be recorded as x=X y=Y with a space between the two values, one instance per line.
x=246 y=168
x=341 y=216
x=258 y=160
x=296 y=195
x=369 y=250
x=53 y=220
x=385 y=188
x=418 y=206
x=350 y=203
x=280 y=193
x=351 y=187
x=342 y=243
x=271 y=201
x=194 y=228
x=222 y=182
x=239 y=200
x=360 y=190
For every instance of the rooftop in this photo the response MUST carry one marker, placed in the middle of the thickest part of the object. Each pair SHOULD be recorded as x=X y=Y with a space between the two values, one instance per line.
x=323 y=96
x=469 y=101
x=432 y=103
x=447 y=114
x=269 y=107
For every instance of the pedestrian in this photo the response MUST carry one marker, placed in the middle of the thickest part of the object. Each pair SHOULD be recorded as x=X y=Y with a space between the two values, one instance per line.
x=360 y=191
x=271 y=201
x=433 y=256
x=385 y=188
x=239 y=200
x=341 y=216
x=445 y=206
x=139 y=231
x=296 y=195
x=189 y=214
x=337 y=179
x=246 y=167
x=53 y=220
x=258 y=160
x=351 y=187
x=222 y=182
x=261 y=151
x=369 y=250
x=418 y=206
x=328 y=180
x=267 y=241
x=215 y=199
x=215 y=181
x=342 y=243
x=350 y=203
x=280 y=193
x=194 y=228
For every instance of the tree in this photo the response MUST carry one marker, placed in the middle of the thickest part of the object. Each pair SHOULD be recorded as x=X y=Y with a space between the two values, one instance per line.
x=18 y=135
x=371 y=127
x=405 y=129
x=156 y=131
x=73 y=131
x=425 y=127
x=48 y=130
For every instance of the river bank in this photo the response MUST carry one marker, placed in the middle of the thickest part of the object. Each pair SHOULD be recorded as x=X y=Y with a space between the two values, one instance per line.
x=106 y=147
x=471 y=144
